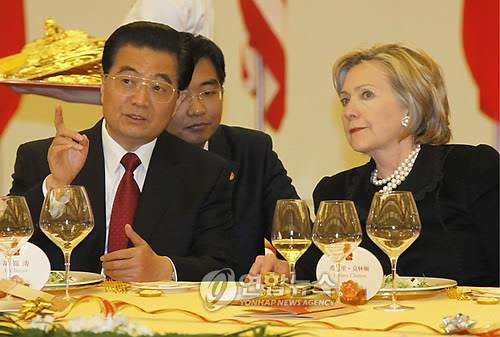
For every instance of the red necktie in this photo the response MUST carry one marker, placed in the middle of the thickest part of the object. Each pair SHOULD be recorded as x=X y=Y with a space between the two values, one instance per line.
x=124 y=205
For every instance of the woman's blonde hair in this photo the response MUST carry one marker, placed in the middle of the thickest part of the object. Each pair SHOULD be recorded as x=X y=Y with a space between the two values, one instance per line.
x=417 y=82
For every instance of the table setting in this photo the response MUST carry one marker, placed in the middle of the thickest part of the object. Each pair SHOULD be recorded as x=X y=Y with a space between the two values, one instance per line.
x=345 y=301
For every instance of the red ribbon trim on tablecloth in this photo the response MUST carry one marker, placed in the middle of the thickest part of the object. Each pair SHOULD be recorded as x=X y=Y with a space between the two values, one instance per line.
x=112 y=307
x=491 y=333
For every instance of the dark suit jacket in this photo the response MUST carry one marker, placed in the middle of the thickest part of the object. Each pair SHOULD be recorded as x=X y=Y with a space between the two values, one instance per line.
x=260 y=180
x=456 y=191
x=184 y=209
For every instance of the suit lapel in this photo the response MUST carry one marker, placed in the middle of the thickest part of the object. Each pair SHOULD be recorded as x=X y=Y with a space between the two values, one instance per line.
x=220 y=144
x=160 y=188
x=92 y=177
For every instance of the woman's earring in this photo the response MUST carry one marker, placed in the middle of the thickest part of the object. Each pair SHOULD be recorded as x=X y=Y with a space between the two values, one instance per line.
x=405 y=120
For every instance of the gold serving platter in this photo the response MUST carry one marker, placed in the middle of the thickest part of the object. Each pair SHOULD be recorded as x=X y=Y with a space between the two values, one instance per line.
x=66 y=57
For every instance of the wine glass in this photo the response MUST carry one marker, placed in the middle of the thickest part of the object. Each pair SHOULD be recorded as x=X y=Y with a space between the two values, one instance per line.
x=393 y=224
x=291 y=233
x=337 y=232
x=16 y=227
x=66 y=218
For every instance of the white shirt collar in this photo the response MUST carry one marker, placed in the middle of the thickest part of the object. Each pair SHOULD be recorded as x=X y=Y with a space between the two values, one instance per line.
x=113 y=152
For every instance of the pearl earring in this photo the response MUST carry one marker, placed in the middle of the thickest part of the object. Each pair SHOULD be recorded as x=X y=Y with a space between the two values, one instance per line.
x=405 y=120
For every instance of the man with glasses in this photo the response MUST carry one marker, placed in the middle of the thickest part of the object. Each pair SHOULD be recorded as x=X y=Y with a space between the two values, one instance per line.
x=260 y=178
x=162 y=207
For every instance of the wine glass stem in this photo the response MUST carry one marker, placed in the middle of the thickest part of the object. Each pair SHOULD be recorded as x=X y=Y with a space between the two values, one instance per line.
x=292 y=278
x=337 y=282
x=8 y=269
x=394 y=261
x=292 y=273
x=67 y=258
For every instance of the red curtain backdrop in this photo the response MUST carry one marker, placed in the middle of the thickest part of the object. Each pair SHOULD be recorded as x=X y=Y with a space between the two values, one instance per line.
x=270 y=46
x=481 y=45
x=11 y=41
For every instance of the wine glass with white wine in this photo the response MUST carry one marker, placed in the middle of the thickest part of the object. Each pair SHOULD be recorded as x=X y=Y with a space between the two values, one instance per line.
x=337 y=232
x=291 y=233
x=393 y=224
x=66 y=218
x=16 y=227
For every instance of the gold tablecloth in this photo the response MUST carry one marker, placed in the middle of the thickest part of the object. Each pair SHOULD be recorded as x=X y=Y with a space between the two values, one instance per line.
x=429 y=310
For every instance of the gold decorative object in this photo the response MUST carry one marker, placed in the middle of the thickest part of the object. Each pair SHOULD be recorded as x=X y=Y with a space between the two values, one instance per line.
x=62 y=56
x=480 y=296
x=150 y=293
x=457 y=294
x=31 y=308
x=270 y=279
x=271 y=283
x=113 y=286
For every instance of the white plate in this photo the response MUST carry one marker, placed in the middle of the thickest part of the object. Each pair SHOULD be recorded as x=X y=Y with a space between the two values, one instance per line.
x=434 y=283
x=166 y=287
x=77 y=278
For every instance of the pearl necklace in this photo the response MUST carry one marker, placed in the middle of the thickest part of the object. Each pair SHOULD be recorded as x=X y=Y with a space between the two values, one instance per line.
x=399 y=175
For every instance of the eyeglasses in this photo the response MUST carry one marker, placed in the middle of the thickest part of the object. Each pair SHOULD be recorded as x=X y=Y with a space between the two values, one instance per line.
x=209 y=96
x=128 y=85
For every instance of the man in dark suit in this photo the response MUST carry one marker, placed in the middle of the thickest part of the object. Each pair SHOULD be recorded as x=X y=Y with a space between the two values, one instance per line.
x=260 y=178
x=182 y=221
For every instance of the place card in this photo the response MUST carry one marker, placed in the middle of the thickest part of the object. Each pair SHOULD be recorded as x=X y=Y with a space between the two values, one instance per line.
x=30 y=263
x=360 y=271
x=15 y=289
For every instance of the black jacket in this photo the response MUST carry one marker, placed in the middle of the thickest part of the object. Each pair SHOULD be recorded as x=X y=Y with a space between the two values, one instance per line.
x=260 y=180
x=456 y=191
x=184 y=209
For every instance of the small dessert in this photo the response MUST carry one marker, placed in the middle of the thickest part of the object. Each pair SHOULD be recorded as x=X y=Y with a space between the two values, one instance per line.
x=352 y=293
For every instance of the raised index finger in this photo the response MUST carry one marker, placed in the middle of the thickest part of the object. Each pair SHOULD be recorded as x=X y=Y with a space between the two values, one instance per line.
x=62 y=130
x=58 y=119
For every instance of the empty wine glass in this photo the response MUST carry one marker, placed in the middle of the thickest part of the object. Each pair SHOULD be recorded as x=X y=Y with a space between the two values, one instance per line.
x=291 y=233
x=337 y=232
x=16 y=227
x=393 y=224
x=66 y=218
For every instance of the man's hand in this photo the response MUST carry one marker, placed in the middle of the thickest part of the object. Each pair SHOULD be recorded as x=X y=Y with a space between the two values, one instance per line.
x=269 y=262
x=139 y=263
x=67 y=153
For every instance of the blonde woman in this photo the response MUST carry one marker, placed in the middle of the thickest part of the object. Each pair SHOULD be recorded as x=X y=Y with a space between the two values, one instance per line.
x=395 y=110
